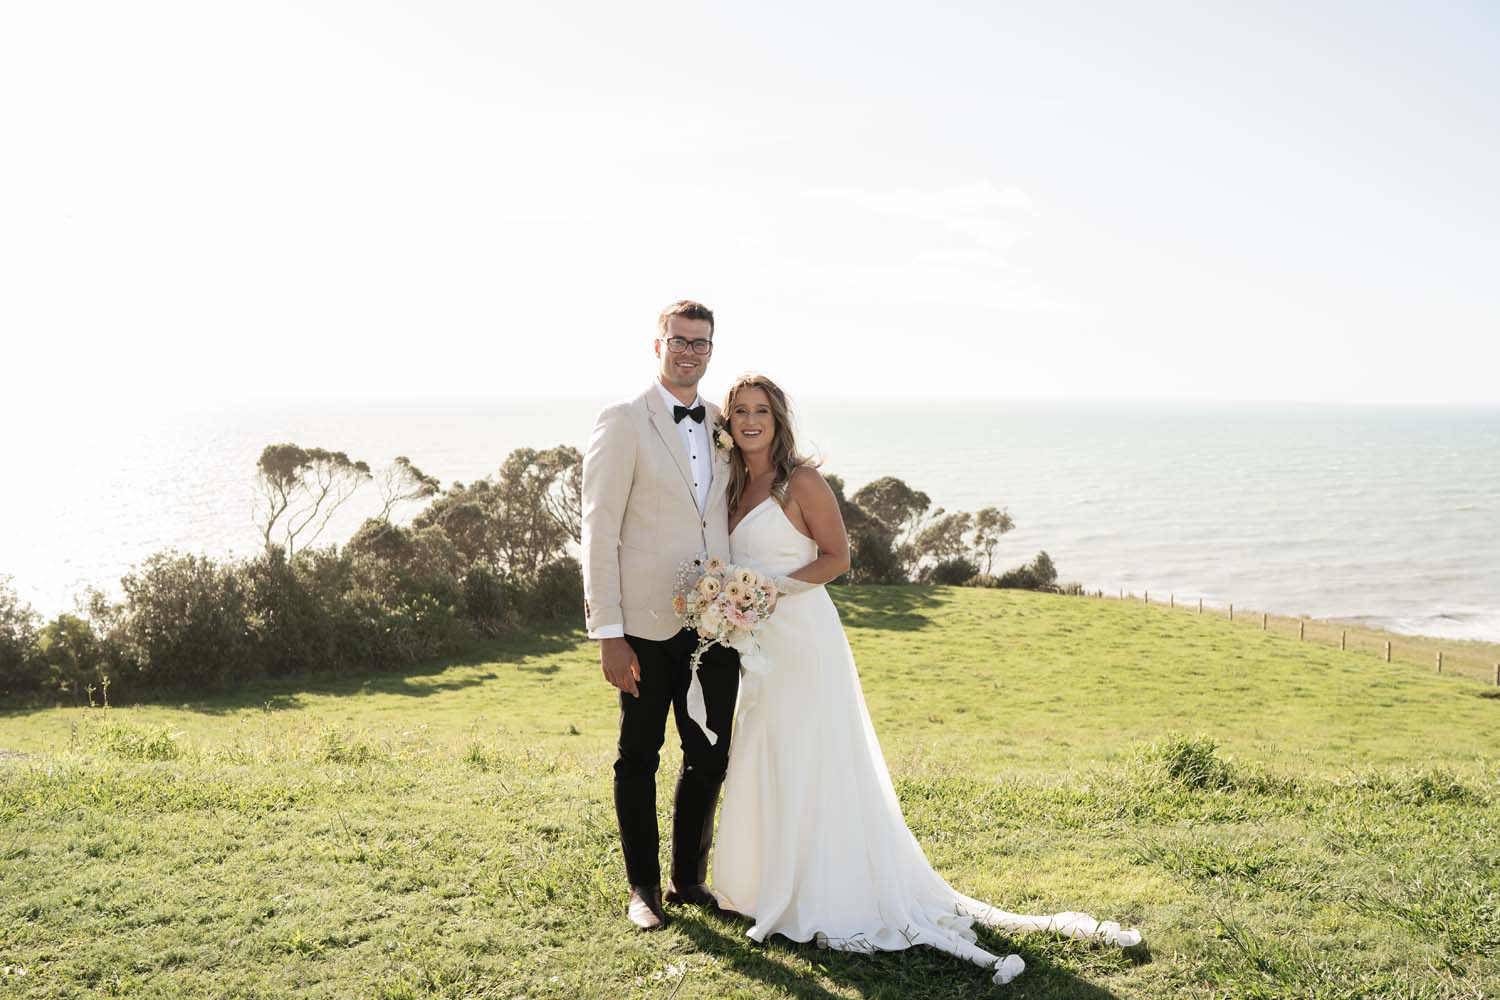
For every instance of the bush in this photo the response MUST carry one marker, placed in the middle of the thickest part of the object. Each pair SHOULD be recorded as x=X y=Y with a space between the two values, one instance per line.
x=188 y=620
x=953 y=572
x=425 y=554
x=289 y=618
x=555 y=593
x=873 y=557
x=376 y=618
x=1039 y=574
x=485 y=599
x=19 y=664
x=71 y=655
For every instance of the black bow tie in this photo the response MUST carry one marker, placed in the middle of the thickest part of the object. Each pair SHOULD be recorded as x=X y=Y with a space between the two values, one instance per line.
x=696 y=412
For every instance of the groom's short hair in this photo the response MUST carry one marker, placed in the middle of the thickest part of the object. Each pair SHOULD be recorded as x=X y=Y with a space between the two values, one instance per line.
x=687 y=309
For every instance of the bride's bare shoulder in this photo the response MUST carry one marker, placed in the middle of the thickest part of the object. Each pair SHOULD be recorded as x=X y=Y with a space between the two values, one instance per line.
x=806 y=485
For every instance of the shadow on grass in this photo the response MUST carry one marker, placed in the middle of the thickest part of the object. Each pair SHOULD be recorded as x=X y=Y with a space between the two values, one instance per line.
x=915 y=973
x=415 y=681
x=895 y=608
x=282 y=693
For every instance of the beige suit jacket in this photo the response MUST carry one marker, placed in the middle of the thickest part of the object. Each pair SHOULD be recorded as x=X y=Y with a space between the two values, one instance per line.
x=641 y=518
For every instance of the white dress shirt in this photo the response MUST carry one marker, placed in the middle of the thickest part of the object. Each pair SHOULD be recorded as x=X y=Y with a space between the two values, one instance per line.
x=697 y=444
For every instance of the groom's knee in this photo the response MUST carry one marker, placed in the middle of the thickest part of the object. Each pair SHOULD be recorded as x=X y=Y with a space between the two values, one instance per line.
x=707 y=767
x=636 y=764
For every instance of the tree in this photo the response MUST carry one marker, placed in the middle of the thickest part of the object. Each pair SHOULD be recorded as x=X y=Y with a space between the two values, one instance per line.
x=943 y=538
x=1039 y=574
x=894 y=504
x=528 y=533
x=70 y=654
x=564 y=498
x=989 y=524
x=900 y=510
x=517 y=521
x=18 y=638
x=401 y=482
x=872 y=558
x=301 y=488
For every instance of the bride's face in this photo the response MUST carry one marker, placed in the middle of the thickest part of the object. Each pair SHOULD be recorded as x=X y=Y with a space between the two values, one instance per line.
x=751 y=421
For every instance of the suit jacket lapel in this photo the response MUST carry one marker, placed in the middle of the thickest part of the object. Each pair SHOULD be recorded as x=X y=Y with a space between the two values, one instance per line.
x=667 y=429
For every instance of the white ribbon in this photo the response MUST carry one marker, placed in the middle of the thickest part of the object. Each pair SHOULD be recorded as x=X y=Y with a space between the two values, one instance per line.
x=752 y=661
x=696 y=706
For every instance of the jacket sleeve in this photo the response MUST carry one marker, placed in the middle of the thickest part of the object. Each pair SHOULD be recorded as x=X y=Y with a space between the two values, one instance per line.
x=608 y=470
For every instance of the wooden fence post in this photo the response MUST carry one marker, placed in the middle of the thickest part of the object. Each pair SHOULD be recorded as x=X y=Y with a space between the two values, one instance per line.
x=1147 y=598
x=1497 y=675
x=1231 y=612
x=1388 y=651
x=1343 y=640
x=1172 y=600
x=1265 y=622
x=1200 y=605
x=1301 y=630
x=1440 y=661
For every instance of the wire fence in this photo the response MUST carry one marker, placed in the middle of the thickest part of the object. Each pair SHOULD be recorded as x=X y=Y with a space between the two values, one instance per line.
x=1453 y=657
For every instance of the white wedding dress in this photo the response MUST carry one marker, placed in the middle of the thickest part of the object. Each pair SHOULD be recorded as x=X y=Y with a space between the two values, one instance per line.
x=812 y=844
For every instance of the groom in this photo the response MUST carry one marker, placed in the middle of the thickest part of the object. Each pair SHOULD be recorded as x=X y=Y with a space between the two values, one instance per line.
x=654 y=497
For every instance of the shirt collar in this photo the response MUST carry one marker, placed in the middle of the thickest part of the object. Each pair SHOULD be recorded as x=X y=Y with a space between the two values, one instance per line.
x=672 y=400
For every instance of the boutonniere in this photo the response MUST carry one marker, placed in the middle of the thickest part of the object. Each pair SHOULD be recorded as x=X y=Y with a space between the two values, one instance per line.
x=723 y=440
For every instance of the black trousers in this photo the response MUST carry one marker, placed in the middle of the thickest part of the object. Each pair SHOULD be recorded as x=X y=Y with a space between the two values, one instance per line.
x=643 y=727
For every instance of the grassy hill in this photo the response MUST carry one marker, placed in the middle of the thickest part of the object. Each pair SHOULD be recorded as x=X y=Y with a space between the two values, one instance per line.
x=1279 y=818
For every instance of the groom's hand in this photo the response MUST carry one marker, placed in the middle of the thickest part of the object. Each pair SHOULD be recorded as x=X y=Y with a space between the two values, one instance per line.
x=621 y=668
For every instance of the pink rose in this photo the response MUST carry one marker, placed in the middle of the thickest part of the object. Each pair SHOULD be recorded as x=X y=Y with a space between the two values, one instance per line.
x=745 y=618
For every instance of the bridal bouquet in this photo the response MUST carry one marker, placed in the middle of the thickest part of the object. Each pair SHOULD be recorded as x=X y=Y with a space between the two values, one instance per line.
x=725 y=605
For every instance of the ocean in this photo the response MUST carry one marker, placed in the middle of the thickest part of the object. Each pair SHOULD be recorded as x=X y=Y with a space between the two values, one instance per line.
x=1384 y=515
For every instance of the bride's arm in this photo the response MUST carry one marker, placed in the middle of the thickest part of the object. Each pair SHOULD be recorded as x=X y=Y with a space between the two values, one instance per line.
x=818 y=510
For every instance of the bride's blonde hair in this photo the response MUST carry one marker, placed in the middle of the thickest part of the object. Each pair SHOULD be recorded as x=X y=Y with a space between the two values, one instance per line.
x=784 y=456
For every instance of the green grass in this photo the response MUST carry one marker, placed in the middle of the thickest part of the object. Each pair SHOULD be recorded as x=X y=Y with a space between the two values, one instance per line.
x=1280 y=819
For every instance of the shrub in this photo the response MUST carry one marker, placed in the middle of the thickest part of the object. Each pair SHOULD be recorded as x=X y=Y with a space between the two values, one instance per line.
x=873 y=557
x=289 y=619
x=378 y=620
x=19 y=665
x=426 y=554
x=70 y=655
x=950 y=572
x=187 y=616
x=1039 y=574
x=485 y=599
x=556 y=592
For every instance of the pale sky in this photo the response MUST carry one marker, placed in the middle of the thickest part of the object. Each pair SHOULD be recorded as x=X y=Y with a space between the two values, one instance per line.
x=1095 y=201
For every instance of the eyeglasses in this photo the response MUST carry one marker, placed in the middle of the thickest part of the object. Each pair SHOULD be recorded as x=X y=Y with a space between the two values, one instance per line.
x=679 y=344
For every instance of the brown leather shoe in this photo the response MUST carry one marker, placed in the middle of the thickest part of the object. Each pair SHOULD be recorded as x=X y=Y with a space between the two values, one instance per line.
x=693 y=895
x=645 y=908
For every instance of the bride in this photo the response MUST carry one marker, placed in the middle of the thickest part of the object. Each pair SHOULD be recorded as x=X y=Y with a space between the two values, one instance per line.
x=812 y=843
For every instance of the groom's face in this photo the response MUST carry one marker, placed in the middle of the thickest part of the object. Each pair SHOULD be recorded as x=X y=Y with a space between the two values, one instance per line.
x=685 y=369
